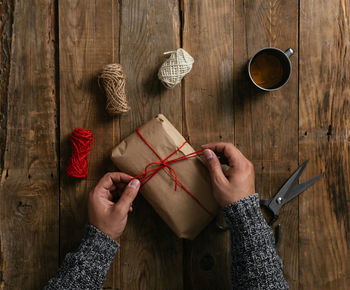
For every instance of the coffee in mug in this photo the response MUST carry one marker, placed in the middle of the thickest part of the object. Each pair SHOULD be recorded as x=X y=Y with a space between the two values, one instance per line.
x=270 y=68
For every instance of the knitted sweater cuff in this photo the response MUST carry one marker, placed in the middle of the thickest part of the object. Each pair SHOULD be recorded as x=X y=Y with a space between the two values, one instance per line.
x=248 y=226
x=244 y=213
x=87 y=267
x=99 y=247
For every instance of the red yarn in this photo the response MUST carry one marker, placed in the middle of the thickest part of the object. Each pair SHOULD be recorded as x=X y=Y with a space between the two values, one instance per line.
x=82 y=141
x=164 y=164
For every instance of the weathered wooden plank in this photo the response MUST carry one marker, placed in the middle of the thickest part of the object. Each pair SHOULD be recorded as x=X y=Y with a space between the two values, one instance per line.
x=324 y=139
x=6 y=16
x=209 y=116
x=151 y=255
x=88 y=34
x=29 y=180
x=266 y=124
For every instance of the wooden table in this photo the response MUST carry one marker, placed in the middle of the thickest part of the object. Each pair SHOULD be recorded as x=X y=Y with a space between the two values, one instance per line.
x=50 y=54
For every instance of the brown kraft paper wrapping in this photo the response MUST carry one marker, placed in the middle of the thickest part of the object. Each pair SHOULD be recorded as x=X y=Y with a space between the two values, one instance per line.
x=177 y=208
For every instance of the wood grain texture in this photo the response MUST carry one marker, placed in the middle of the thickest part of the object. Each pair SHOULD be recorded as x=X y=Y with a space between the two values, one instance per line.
x=151 y=255
x=209 y=117
x=88 y=34
x=6 y=22
x=324 y=139
x=29 y=179
x=216 y=102
x=266 y=124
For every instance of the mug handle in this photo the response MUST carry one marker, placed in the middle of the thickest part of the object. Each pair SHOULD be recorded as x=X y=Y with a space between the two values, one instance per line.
x=289 y=52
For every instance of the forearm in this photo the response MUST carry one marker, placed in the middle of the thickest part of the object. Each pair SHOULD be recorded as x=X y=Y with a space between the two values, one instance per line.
x=255 y=263
x=87 y=267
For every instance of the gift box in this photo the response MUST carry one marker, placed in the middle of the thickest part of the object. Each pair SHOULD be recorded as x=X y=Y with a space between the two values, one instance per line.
x=175 y=181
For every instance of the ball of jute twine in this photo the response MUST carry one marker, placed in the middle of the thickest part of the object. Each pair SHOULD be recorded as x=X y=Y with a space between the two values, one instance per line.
x=112 y=79
x=175 y=67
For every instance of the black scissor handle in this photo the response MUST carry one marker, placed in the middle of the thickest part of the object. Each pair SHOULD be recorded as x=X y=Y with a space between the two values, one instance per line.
x=219 y=226
x=272 y=220
x=266 y=204
x=277 y=230
x=277 y=234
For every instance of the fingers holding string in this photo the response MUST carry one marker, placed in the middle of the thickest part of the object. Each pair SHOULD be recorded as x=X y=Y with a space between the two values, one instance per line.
x=124 y=203
x=117 y=191
x=111 y=179
x=233 y=155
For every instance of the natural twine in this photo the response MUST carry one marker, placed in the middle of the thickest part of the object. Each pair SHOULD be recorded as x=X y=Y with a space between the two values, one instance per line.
x=112 y=79
x=175 y=67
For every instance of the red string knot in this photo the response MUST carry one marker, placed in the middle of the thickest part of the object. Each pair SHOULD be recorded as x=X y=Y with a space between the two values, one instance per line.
x=165 y=164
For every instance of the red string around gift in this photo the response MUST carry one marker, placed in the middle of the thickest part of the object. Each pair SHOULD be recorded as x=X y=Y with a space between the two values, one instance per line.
x=82 y=141
x=165 y=164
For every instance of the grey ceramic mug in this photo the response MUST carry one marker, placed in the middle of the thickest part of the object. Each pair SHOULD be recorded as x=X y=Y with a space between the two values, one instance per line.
x=283 y=57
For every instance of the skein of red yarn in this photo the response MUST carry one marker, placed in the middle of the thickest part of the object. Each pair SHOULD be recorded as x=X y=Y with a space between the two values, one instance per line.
x=82 y=142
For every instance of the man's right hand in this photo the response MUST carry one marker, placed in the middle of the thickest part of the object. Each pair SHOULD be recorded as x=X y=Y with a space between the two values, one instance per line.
x=108 y=216
x=236 y=182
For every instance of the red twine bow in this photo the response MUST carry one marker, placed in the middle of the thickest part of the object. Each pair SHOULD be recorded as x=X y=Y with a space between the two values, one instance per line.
x=82 y=141
x=165 y=164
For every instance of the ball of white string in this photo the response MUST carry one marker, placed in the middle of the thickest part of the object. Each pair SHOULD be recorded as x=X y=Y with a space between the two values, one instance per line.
x=175 y=67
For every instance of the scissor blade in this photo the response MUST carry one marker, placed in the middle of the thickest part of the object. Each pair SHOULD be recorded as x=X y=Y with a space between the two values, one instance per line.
x=300 y=188
x=278 y=200
x=290 y=182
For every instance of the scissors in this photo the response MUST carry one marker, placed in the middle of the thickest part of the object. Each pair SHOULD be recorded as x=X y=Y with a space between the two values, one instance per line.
x=288 y=191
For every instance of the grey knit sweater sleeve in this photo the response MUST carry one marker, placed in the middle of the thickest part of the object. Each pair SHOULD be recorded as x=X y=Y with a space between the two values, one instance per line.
x=87 y=267
x=255 y=263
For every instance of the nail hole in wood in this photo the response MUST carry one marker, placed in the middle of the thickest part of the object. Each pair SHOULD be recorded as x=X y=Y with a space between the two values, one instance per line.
x=329 y=132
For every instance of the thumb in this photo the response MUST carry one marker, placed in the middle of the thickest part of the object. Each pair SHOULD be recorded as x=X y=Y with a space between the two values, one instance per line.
x=128 y=196
x=214 y=167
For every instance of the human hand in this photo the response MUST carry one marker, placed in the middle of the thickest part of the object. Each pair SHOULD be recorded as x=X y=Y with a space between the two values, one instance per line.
x=108 y=216
x=237 y=181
